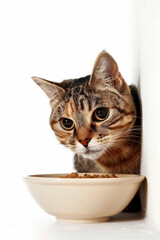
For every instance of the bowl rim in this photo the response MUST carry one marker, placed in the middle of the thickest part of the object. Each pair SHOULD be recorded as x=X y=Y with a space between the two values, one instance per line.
x=55 y=179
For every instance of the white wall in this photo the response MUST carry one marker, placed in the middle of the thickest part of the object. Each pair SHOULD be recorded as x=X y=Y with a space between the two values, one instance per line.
x=55 y=40
x=149 y=52
x=58 y=40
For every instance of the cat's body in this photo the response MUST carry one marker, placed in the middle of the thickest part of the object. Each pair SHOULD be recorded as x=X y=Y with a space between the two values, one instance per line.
x=98 y=118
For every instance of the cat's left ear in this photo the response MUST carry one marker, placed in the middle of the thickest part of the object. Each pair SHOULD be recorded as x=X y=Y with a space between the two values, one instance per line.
x=105 y=73
x=52 y=90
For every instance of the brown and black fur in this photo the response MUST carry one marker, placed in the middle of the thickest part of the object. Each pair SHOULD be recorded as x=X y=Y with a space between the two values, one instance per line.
x=115 y=143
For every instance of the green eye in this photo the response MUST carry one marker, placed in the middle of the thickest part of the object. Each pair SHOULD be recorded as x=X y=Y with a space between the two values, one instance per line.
x=67 y=123
x=100 y=114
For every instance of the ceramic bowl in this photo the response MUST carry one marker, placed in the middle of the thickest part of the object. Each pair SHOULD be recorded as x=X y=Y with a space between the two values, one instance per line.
x=83 y=199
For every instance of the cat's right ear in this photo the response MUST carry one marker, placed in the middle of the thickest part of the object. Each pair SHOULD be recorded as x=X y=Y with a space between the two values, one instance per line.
x=52 y=90
x=105 y=73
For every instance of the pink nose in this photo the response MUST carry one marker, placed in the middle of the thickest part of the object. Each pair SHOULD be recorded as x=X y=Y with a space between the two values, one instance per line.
x=85 y=141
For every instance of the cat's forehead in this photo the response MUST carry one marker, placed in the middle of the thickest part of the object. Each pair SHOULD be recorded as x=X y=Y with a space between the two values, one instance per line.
x=81 y=95
x=84 y=98
x=80 y=101
x=79 y=105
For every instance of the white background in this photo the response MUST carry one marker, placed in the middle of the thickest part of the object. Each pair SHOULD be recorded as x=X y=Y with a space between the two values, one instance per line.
x=55 y=40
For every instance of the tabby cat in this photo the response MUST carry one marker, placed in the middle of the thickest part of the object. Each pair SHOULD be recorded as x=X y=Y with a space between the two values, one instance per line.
x=98 y=118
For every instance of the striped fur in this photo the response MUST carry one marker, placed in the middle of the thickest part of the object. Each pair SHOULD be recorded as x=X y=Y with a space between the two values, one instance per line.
x=115 y=143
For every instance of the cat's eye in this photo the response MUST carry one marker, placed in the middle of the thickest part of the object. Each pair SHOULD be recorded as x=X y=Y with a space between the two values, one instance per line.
x=100 y=114
x=67 y=123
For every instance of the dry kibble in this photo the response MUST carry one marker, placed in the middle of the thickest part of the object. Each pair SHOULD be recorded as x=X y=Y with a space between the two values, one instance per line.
x=89 y=176
x=106 y=176
x=76 y=175
x=113 y=175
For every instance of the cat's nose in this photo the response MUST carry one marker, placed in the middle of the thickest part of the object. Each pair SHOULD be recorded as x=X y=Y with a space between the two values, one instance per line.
x=85 y=141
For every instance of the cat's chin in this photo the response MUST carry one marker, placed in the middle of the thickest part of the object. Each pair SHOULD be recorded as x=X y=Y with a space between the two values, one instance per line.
x=91 y=154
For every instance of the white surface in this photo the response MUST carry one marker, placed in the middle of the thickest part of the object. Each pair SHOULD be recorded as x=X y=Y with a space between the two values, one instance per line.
x=149 y=52
x=57 y=40
x=54 y=40
x=46 y=228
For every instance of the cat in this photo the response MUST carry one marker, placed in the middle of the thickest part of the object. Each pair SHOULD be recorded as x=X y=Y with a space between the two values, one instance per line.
x=98 y=117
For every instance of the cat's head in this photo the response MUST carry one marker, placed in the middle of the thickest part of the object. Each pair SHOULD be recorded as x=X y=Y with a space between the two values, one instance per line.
x=90 y=114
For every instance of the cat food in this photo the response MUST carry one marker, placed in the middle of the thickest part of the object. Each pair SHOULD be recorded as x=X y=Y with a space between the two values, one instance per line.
x=76 y=175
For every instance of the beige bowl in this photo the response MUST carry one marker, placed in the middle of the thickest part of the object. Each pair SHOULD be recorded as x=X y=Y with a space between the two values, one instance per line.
x=83 y=199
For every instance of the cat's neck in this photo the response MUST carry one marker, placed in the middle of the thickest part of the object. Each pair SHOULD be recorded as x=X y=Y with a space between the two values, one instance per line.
x=122 y=159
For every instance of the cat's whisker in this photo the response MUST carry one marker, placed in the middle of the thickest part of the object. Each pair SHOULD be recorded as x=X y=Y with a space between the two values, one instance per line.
x=125 y=136
x=130 y=142
x=122 y=140
x=122 y=148
x=127 y=133
x=132 y=129
x=122 y=136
